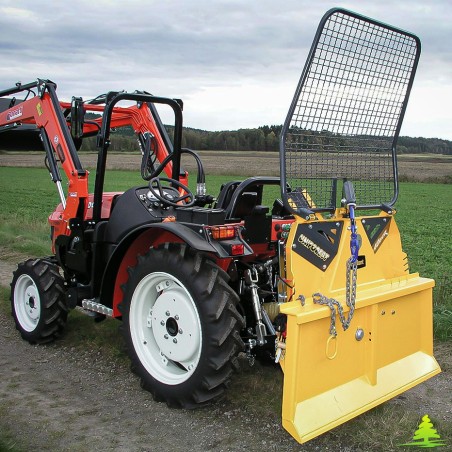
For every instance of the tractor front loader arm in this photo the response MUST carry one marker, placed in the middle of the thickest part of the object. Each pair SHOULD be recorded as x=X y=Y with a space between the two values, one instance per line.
x=43 y=110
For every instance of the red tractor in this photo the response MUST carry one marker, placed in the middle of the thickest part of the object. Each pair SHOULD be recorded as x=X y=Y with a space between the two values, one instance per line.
x=198 y=279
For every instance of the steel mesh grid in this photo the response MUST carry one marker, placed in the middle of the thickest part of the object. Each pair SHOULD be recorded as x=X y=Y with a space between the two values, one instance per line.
x=348 y=112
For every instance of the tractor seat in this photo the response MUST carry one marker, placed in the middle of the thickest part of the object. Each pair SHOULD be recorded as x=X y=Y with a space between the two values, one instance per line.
x=244 y=206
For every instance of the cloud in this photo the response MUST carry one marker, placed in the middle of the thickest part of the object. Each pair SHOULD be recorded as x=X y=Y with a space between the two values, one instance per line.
x=235 y=63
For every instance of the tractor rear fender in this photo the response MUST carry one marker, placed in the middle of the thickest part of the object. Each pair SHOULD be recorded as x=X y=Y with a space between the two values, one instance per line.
x=138 y=242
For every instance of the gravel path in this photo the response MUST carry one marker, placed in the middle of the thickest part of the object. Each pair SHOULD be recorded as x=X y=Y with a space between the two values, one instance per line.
x=57 y=398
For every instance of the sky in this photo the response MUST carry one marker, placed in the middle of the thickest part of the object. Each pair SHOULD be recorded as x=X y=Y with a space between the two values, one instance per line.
x=235 y=64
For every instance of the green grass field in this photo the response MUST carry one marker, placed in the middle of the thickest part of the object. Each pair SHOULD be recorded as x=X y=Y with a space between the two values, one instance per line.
x=424 y=216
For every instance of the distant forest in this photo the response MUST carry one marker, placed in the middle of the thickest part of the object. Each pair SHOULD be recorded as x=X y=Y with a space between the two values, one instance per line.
x=264 y=138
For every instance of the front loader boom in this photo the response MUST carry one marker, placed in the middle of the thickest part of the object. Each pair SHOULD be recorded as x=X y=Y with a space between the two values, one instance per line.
x=44 y=111
x=54 y=120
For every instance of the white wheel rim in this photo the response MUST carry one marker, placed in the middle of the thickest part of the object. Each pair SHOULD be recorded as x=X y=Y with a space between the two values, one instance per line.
x=165 y=328
x=27 y=303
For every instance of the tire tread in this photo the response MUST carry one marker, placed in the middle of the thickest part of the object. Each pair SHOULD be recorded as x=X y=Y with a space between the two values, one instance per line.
x=221 y=324
x=53 y=307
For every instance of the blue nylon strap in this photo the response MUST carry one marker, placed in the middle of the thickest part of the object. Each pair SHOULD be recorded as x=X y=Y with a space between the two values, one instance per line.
x=354 y=244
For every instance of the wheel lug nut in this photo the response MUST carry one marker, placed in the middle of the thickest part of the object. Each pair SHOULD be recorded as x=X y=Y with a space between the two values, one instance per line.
x=162 y=323
x=180 y=331
x=165 y=336
x=175 y=340
x=167 y=313
x=176 y=317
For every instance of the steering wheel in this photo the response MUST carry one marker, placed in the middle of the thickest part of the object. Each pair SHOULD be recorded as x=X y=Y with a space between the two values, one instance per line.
x=158 y=190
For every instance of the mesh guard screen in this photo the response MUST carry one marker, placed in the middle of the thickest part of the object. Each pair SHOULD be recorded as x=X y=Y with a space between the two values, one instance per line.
x=346 y=114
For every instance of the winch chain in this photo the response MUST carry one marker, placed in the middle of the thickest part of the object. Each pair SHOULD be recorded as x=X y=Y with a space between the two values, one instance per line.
x=350 y=299
x=350 y=286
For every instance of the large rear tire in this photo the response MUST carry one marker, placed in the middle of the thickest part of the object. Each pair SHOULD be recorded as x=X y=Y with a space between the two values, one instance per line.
x=181 y=326
x=37 y=301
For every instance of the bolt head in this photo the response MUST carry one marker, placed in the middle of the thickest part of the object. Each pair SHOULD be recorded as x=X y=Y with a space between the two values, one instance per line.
x=359 y=334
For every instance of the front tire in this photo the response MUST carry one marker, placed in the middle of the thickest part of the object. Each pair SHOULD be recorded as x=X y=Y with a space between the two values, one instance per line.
x=181 y=326
x=37 y=301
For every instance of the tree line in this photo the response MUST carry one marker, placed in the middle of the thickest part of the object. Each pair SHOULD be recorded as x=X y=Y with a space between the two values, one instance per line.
x=262 y=139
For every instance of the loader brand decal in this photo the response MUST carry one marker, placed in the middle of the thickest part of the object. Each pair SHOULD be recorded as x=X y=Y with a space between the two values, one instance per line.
x=39 y=109
x=310 y=245
x=14 y=114
x=318 y=242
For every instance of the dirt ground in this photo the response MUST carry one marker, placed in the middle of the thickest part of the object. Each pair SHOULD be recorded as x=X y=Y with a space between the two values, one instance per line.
x=58 y=398
x=245 y=163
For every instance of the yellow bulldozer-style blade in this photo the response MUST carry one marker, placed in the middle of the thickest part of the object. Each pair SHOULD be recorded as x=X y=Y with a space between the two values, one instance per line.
x=388 y=347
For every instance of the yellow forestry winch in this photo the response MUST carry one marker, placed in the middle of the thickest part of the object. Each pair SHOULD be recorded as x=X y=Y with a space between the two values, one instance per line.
x=359 y=325
x=387 y=348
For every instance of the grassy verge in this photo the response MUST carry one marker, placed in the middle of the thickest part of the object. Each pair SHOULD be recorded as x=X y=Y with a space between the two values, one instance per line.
x=9 y=443
x=424 y=219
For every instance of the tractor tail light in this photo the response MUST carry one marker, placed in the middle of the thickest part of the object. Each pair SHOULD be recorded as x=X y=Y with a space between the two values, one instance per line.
x=223 y=232
x=237 y=250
